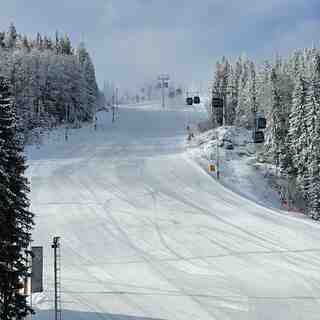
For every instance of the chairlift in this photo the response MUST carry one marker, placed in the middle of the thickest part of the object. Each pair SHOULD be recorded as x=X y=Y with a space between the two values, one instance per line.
x=217 y=103
x=261 y=122
x=196 y=99
x=258 y=136
x=189 y=101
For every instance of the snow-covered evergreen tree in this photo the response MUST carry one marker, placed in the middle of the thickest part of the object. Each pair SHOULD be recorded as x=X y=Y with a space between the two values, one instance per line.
x=298 y=128
x=11 y=37
x=233 y=95
x=279 y=124
x=89 y=79
x=287 y=92
x=2 y=39
x=253 y=91
x=313 y=139
x=314 y=171
x=15 y=217
x=49 y=80
x=244 y=111
x=65 y=45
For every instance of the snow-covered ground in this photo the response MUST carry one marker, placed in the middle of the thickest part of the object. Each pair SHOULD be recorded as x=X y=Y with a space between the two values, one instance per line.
x=238 y=166
x=146 y=233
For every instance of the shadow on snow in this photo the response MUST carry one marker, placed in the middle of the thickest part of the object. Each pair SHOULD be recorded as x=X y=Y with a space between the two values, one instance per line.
x=82 y=315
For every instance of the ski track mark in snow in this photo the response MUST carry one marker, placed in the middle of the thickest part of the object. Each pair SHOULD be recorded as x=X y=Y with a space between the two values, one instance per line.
x=147 y=234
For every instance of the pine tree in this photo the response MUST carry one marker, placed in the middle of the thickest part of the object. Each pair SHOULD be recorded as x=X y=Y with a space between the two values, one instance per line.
x=92 y=88
x=295 y=63
x=253 y=90
x=298 y=132
x=313 y=140
x=57 y=44
x=39 y=42
x=236 y=89
x=25 y=44
x=277 y=119
x=225 y=88
x=82 y=53
x=314 y=172
x=65 y=44
x=288 y=92
x=90 y=95
x=317 y=77
x=311 y=108
x=47 y=43
x=16 y=219
x=47 y=78
x=243 y=113
x=11 y=37
x=2 y=39
x=233 y=96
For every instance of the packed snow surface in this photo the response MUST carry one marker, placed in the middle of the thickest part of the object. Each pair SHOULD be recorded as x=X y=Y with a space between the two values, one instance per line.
x=238 y=167
x=146 y=233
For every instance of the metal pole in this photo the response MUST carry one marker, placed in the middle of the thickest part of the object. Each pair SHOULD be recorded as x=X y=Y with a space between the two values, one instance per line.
x=67 y=122
x=212 y=114
x=55 y=246
x=217 y=156
x=117 y=98
x=27 y=280
x=288 y=194
x=55 y=285
x=223 y=111
x=95 y=118
x=254 y=118
x=162 y=86
x=113 y=106
x=31 y=302
x=254 y=111
x=164 y=79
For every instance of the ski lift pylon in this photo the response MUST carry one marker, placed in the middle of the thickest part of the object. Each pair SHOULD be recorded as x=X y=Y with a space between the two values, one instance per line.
x=261 y=122
x=217 y=103
x=189 y=101
x=196 y=99
x=258 y=136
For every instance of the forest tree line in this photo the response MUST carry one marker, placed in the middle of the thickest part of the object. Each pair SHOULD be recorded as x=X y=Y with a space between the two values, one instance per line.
x=287 y=92
x=52 y=81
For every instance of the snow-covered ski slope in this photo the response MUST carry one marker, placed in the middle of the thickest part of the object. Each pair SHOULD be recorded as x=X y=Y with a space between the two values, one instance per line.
x=147 y=234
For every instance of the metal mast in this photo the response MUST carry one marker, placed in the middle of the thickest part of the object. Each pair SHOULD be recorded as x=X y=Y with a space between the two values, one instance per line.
x=57 y=278
x=164 y=78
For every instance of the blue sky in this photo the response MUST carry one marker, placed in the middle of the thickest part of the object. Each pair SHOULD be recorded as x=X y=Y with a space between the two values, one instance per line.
x=134 y=40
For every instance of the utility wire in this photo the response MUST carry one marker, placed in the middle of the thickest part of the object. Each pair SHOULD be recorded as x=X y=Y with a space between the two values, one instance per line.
x=178 y=294
x=233 y=254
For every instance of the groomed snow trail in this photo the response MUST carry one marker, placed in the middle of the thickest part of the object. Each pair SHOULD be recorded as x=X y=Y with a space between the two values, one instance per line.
x=147 y=234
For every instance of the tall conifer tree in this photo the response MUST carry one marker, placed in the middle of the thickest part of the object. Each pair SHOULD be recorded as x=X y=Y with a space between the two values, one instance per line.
x=16 y=219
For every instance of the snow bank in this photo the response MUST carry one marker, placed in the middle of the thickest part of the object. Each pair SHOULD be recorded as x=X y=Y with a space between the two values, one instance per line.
x=237 y=164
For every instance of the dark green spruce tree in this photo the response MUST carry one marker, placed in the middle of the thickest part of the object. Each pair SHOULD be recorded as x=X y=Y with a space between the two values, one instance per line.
x=314 y=169
x=16 y=221
x=313 y=121
x=278 y=119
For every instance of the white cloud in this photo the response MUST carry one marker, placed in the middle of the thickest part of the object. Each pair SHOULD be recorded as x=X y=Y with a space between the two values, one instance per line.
x=303 y=35
x=135 y=39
